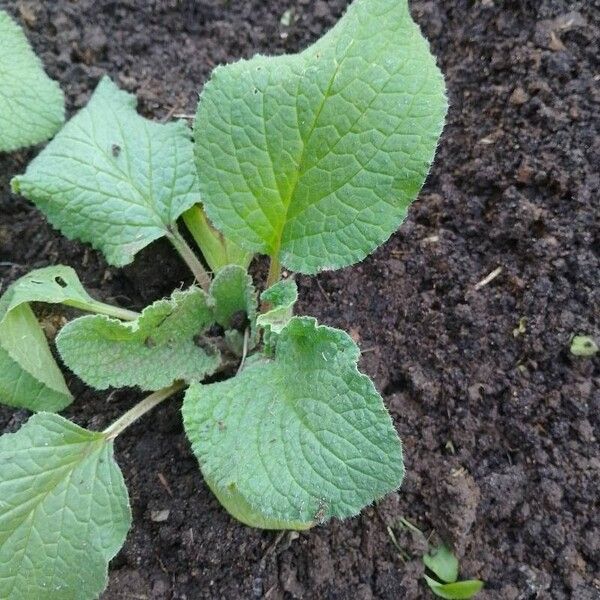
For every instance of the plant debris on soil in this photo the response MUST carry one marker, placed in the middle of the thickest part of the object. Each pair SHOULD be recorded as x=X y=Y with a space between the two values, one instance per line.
x=465 y=316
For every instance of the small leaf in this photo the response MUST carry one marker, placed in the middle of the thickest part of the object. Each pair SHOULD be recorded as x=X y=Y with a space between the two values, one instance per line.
x=32 y=106
x=443 y=563
x=113 y=178
x=314 y=158
x=29 y=375
x=291 y=442
x=455 y=591
x=64 y=510
x=163 y=345
x=233 y=293
x=280 y=298
x=56 y=285
x=583 y=345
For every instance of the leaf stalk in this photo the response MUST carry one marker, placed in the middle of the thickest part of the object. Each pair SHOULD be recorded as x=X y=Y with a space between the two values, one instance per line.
x=190 y=259
x=140 y=409
x=114 y=311
x=274 y=271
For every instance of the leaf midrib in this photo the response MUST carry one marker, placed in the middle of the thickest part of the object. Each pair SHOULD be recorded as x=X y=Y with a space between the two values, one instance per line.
x=305 y=141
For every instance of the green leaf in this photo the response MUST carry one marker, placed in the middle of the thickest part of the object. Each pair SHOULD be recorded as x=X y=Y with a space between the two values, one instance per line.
x=59 y=285
x=233 y=292
x=32 y=106
x=113 y=178
x=583 y=345
x=29 y=375
x=280 y=298
x=64 y=511
x=443 y=563
x=163 y=345
x=455 y=591
x=20 y=389
x=314 y=158
x=290 y=442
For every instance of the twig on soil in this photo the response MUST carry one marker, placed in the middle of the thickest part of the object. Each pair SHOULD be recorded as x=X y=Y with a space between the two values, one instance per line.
x=404 y=556
x=272 y=547
x=322 y=290
x=489 y=278
x=165 y=483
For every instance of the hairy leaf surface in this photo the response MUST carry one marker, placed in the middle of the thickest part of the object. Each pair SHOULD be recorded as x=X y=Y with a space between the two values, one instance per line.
x=233 y=292
x=163 y=345
x=32 y=105
x=55 y=285
x=280 y=298
x=113 y=178
x=64 y=511
x=29 y=375
x=293 y=441
x=315 y=157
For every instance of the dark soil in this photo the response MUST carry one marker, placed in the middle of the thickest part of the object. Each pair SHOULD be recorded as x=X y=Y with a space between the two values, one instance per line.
x=500 y=426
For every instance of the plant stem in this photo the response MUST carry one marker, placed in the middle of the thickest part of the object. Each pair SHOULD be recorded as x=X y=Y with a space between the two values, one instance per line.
x=274 y=271
x=191 y=260
x=114 y=311
x=140 y=409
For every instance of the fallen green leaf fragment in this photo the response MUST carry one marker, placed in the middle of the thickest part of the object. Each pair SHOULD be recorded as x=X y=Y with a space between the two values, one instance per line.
x=113 y=178
x=64 y=510
x=291 y=442
x=32 y=106
x=314 y=158
x=443 y=563
x=166 y=343
x=460 y=590
x=583 y=345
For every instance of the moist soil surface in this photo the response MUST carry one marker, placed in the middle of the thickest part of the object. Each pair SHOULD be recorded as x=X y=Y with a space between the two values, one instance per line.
x=500 y=422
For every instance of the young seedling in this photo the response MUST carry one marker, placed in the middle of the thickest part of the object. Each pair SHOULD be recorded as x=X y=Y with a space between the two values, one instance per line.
x=311 y=159
x=442 y=563
x=583 y=345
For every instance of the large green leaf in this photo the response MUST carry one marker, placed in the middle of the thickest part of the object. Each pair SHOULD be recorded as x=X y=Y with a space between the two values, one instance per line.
x=293 y=441
x=45 y=389
x=163 y=345
x=64 y=511
x=314 y=158
x=32 y=106
x=113 y=178
x=29 y=375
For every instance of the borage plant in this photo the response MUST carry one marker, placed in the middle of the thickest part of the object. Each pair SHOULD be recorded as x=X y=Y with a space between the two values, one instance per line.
x=311 y=159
